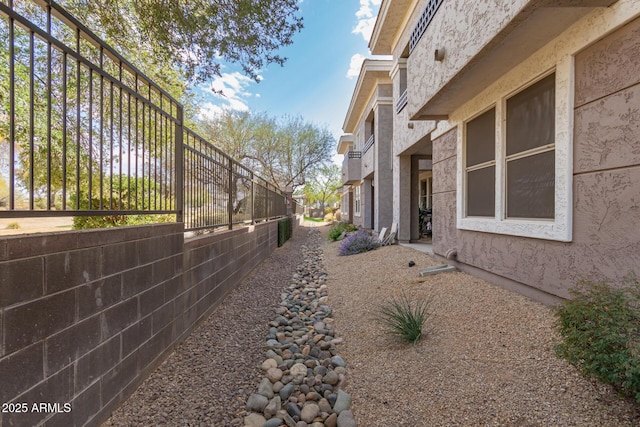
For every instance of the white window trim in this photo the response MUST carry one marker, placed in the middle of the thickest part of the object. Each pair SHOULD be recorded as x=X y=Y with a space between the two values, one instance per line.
x=560 y=228
x=357 y=201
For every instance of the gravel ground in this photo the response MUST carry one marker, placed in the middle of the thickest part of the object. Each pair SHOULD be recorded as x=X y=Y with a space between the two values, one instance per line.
x=209 y=377
x=488 y=360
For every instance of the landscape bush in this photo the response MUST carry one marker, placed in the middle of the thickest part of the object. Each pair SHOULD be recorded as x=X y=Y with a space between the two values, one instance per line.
x=358 y=242
x=405 y=319
x=336 y=231
x=600 y=331
x=338 y=228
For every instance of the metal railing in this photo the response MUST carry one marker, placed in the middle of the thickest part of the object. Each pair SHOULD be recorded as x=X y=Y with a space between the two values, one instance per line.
x=84 y=133
x=219 y=191
x=402 y=101
x=423 y=22
x=368 y=144
x=354 y=154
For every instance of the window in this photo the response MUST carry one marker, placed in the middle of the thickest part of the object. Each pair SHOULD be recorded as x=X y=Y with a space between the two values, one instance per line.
x=481 y=164
x=530 y=152
x=356 y=200
x=514 y=163
x=426 y=194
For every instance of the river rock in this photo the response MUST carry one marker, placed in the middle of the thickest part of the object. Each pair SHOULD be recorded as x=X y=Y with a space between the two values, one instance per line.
x=345 y=419
x=257 y=402
x=254 y=420
x=309 y=412
x=343 y=402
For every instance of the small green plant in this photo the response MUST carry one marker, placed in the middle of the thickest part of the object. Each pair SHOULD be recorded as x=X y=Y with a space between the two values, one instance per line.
x=600 y=330
x=13 y=226
x=338 y=228
x=358 y=242
x=405 y=319
x=336 y=231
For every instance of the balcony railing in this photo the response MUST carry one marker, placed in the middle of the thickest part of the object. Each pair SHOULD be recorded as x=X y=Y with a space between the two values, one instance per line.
x=368 y=144
x=423 y=23
x=354 y=154
x=402 y=101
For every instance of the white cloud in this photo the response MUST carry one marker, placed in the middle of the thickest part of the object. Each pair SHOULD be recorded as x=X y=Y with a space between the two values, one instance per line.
x=232 y=85
x=366 y=18
x=231 y=90
x=355 y=65
x=210 y=111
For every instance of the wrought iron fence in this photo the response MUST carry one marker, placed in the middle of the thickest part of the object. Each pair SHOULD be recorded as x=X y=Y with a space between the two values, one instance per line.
x=84 y=133
x=219 y=191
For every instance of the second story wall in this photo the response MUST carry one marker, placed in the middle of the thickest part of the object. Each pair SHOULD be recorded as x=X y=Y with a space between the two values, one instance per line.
x=465 y=45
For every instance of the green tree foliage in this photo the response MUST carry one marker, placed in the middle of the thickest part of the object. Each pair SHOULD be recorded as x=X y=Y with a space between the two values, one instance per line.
x=129 y=193
x=194 y=35
x=288 y=152
x=322 y=187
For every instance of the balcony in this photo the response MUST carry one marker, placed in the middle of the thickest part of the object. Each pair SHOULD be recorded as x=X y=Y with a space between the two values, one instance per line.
x=402 y=102
x=481 y=43
x=351 y=167
x=368 y=144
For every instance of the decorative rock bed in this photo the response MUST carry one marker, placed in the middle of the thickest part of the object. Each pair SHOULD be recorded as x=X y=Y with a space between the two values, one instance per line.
x=303 y=373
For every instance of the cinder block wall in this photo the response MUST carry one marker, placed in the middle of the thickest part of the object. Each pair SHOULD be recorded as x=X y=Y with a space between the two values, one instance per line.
x=86 y=315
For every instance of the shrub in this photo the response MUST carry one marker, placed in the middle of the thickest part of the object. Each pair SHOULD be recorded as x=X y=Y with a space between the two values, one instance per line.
x=405 y=319
x=350 y=227
x=600 y=330
x=329 y=217
x=358 y=242
x=284 y=231
x=336 y=231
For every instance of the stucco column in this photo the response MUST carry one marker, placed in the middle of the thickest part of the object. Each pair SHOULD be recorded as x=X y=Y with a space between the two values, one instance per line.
x=402 y=195
x=413 y=201
x=366 y=193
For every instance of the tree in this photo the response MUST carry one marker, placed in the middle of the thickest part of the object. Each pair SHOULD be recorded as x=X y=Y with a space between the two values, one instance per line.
x=235 y=133
x=322 y=188
x=286 y=152
x=291 y=155
x=193 y=35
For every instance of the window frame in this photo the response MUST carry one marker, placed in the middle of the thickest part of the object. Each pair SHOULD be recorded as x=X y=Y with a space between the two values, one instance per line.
x=425 y=199
x=357 y=200
x=478 y=166
x=558 y=228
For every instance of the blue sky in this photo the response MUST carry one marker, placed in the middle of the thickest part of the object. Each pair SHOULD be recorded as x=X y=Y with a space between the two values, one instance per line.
x=318 y=79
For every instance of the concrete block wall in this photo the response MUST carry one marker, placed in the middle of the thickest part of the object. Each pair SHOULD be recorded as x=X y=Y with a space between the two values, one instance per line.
x=85 y=316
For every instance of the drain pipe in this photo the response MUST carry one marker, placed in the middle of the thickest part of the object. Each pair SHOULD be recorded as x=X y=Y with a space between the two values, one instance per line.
x=451 y=254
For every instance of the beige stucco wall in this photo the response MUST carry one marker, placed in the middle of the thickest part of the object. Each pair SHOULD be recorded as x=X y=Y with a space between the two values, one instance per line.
x=463 y=28
x=605 y=183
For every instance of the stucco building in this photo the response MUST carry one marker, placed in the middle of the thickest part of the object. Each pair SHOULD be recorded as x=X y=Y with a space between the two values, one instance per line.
x=367 y=148
x=528 y=116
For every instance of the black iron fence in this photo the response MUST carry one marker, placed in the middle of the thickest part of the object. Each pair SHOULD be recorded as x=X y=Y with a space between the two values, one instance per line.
x=84 y=133
x=219 y=191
